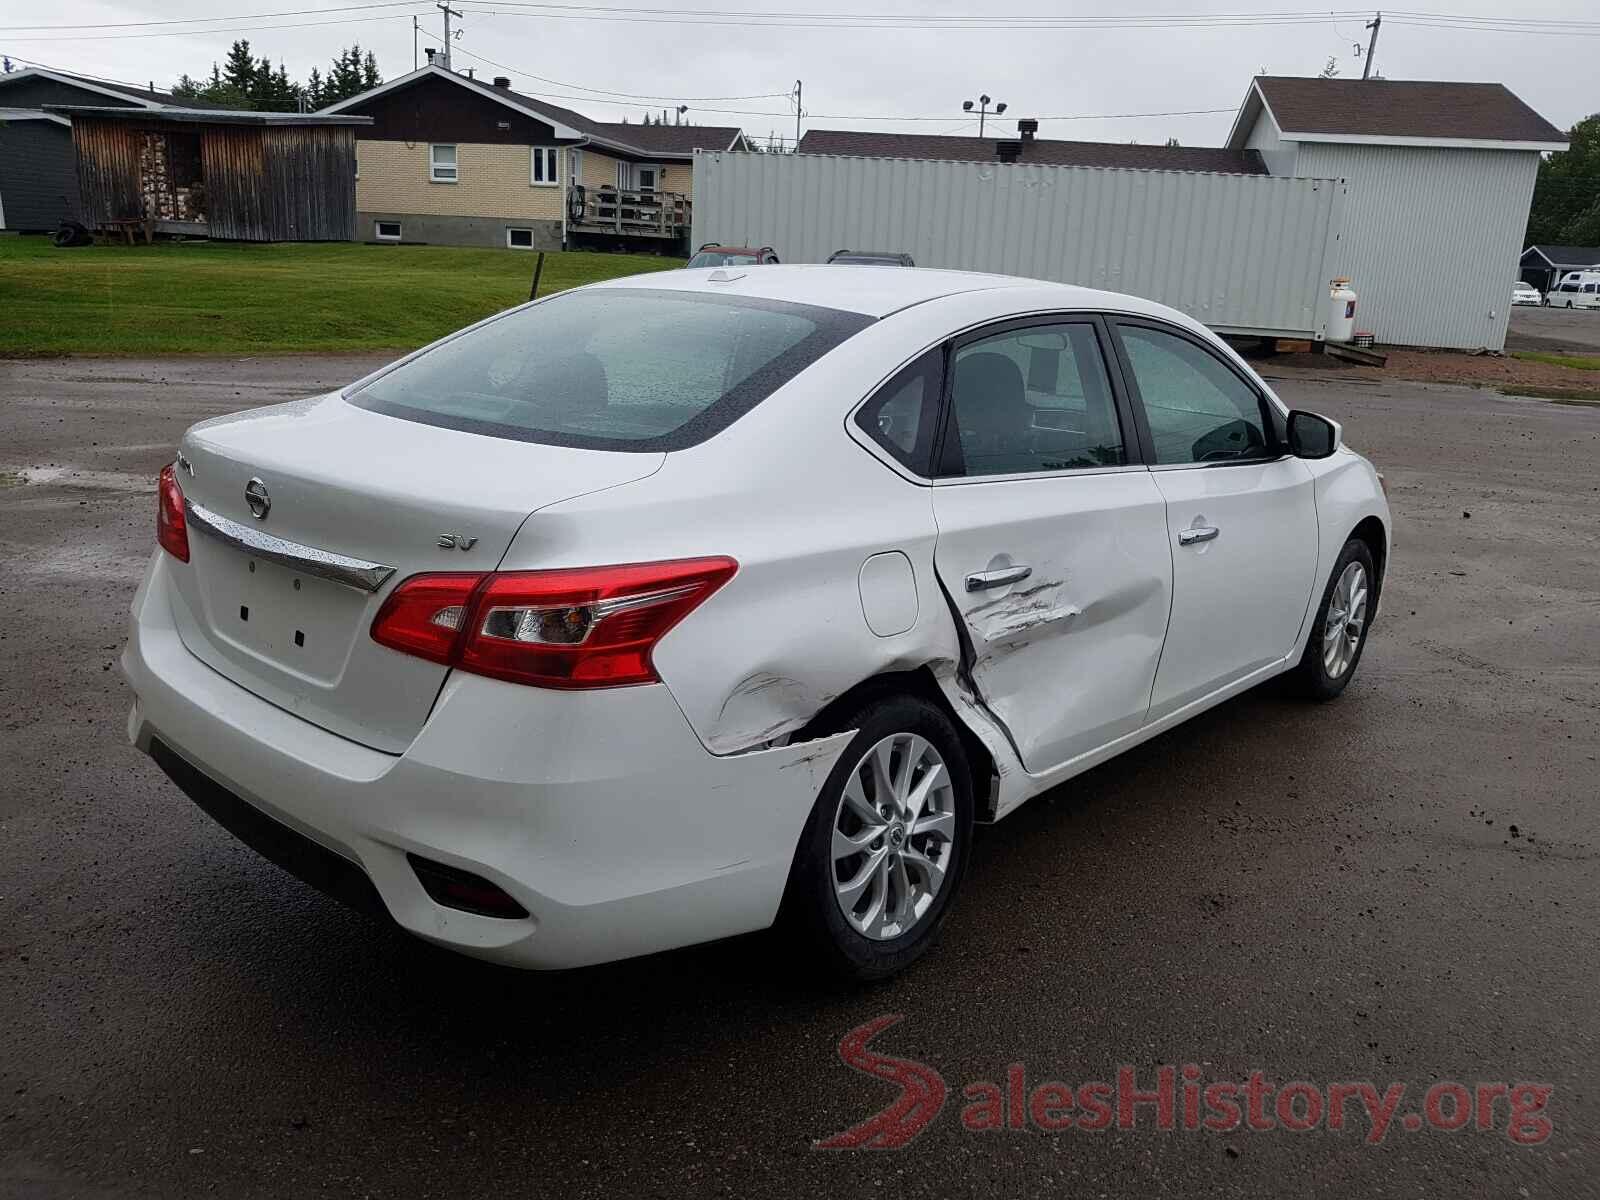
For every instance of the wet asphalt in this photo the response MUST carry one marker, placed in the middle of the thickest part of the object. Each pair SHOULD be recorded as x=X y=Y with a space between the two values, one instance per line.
x=1398 y=887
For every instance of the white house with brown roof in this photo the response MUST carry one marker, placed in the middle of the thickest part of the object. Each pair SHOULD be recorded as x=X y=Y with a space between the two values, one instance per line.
x=1440 y=177
x=454 y=160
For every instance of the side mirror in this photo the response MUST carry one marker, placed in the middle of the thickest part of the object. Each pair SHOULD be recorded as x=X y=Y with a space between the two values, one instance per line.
x=1311 y=436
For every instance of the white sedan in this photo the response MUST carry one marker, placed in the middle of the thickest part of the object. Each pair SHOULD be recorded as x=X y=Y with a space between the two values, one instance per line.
x=656 y=610
x=1524 y=293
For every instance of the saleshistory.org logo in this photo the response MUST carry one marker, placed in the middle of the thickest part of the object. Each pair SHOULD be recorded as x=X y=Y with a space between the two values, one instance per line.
x=1177 y=1098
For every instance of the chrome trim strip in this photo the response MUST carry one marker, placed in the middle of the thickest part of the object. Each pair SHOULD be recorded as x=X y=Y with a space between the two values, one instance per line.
x=357 y=573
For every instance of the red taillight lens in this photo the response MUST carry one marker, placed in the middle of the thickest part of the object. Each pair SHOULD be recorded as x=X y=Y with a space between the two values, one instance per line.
x=588 y=627
x=172 y=530
x=427 y=615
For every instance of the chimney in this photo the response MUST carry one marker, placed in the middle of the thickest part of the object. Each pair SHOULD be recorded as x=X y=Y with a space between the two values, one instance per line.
x=429 y=51
x=503 y=82
x=1027 y=127
x=1007 y=149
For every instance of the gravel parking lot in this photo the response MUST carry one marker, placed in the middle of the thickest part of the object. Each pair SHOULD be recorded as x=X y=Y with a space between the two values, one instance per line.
x=1400 y=887
x=1570 y=331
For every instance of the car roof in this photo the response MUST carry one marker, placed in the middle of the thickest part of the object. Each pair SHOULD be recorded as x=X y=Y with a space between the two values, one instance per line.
x=719 y=248
x=879 y=293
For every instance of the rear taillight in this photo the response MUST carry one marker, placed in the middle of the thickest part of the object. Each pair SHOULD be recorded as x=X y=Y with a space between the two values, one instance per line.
x=172 y=530
x=589 y=627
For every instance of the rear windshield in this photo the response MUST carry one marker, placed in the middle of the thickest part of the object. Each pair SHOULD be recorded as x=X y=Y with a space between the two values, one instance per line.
x=612 y=368
x=722 y=258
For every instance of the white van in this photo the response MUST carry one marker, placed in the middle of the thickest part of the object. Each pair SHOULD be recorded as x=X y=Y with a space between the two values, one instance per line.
x=1577 y=289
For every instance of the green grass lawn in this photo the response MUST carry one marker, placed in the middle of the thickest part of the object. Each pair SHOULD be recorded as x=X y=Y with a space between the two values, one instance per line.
x=222 y=298
x=1578 y=362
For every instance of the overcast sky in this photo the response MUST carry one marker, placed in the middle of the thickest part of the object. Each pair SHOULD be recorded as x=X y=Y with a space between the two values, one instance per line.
x=855 y=77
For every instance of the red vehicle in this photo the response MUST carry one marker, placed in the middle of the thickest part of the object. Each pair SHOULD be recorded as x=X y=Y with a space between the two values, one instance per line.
x=714 y=255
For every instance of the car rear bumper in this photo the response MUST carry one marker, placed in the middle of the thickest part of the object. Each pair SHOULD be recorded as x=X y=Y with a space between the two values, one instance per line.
x=600 y=813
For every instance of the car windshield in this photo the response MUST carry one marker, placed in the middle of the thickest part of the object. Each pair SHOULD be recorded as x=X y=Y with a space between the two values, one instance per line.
x=612 y=368
x=722 y=258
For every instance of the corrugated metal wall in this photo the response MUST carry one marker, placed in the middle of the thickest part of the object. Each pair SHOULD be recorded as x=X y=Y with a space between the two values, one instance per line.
x=272 y=184
x=1434 y=237
x=1239 y=252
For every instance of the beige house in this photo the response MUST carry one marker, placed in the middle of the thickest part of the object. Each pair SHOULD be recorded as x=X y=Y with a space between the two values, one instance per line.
x=453 y=160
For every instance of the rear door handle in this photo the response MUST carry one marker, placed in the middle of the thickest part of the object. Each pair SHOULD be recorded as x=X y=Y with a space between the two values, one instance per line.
x=1200 y=533
x=979 y=580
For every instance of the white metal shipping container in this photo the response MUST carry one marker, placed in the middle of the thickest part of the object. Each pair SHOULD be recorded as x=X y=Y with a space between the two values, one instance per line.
x=1241 y=253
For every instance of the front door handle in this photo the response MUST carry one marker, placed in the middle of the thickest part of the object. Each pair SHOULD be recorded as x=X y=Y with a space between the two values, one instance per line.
x=979 y=580
x=1200 y=533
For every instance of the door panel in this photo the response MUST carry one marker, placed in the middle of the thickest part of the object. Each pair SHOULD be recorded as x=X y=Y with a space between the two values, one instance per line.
x=1241 y=517
x=1239 y=595
x=1065 y=656
x=1051 y=546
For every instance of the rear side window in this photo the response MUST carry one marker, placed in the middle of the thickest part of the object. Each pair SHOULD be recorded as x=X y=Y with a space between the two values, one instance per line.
x=902 y=416
x=1034 y=399
x=613 y=368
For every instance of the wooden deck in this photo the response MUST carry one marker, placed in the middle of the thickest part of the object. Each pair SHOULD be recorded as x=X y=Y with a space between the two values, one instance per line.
x=632 y=214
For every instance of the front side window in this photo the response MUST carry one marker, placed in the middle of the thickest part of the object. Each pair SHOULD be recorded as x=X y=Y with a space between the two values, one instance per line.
x=1032 y=399
x=613 y=368
x=1198 y=410
x=1570 y=285
x=545 y=166
x=442 y=164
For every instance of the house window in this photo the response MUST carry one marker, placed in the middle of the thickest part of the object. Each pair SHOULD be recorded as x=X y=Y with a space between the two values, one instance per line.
x=386 y=231
x=546 y=172
x=442 y=164
x=519 y=239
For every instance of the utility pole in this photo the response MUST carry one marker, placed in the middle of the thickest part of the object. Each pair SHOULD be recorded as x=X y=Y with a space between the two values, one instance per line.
x=1372 y=44
x=448 y=13
x=797 y=94
x=414 y=29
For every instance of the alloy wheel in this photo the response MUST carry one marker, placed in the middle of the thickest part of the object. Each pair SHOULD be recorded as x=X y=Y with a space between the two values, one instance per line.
x=1347 y=616
x=893 y=836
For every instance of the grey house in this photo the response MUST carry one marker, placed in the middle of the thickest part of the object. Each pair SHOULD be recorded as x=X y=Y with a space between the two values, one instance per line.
x=38 y=169
x=1543 y=266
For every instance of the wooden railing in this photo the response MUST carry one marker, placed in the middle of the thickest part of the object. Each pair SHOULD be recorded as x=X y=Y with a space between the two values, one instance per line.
x=628 y=212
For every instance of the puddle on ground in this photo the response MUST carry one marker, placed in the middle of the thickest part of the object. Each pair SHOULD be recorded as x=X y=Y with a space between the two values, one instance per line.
x=80 y=477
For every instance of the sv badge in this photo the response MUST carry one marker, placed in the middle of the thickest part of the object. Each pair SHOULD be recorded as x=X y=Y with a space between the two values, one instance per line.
x=456 y=541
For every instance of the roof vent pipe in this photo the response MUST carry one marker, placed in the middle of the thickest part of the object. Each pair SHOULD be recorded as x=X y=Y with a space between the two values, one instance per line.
x=1027 y=127
x=429 y=51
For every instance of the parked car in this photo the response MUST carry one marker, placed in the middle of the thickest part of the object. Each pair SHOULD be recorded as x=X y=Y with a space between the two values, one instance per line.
x=1525 y=293
x=871 y=258
x=628 y=619
x=1577 y=289
x=713 y=255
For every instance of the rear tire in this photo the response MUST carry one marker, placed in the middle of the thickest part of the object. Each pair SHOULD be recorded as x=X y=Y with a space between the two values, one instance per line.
x=1339 y=632
x=902 y=792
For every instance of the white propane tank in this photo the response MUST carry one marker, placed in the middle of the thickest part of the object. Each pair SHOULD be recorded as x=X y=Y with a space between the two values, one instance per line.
x=1341 y=310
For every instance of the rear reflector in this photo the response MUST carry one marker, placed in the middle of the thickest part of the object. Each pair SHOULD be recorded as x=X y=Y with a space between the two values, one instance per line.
x=172 y=529
x=462 y=890
x=588 y=627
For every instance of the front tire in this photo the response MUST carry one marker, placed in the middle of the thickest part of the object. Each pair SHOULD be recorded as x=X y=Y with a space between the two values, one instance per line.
x=886 y=845
x=1339 y=633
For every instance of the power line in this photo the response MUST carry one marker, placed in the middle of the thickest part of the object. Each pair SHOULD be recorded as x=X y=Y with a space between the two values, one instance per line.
x=751 y=14
x=606 y=91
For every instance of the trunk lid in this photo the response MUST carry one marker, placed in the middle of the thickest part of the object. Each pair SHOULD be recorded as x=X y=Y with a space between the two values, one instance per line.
x=282 y=602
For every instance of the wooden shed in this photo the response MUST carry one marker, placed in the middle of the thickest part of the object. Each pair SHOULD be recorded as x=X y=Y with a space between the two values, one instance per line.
x=237 y=176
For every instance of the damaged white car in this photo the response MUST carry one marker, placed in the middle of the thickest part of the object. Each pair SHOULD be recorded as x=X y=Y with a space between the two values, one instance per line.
x=660 y=610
